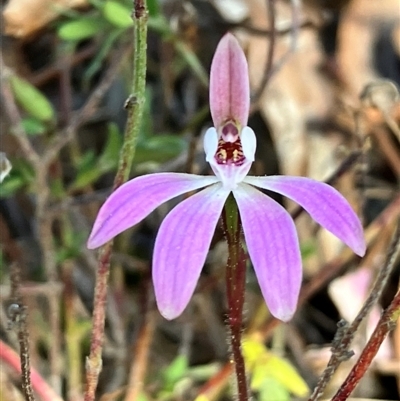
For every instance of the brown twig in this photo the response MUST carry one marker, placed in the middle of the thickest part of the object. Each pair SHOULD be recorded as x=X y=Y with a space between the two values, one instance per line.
x=73 y=335
x=385 y=325
x=14 y=116
x=135 y=106
x=271 y=49
x=17 y=313
x=94 y=361
x=43 y=76
x=335 y=267
x=270 y=69
x=388 y=148
x=41 y=388
x=141 y=351
x=345 y=334
x=324 y=276
x=43 y=219
x=254 y=30
x=89 y=107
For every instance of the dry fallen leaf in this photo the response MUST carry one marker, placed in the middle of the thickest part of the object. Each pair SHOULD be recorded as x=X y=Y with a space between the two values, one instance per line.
x=358 y=30
x=349 y=293
x=22 y=18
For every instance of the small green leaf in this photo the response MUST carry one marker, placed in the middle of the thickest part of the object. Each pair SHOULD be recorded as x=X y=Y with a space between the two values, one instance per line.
x=160 y=148
x=33 y=126
x=175 y=371
x=24 y=169
x=192 y=60
x=252 y=351
x=308 y=249
x=79 y=29
x=272 y=390
x=159 y=24
x=90 y=168
x=31 y=99
x=264 y=365
x=11 y=185
x=142 y=397
x=282 y=371
x=97 y=63
x=203 y=372
x=117 y=14
x=87 y=171
x=153 y=7
x=57 y=188
x=110 y=155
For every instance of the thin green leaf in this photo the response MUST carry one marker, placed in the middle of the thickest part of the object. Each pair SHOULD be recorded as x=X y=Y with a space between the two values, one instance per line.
x=175 y=371
x=87 y=171
x=33 y=126
x=105 y=48
x=11 y=185
x=159 y=148
x=282 y=371
x=80 y=29
x=117 y=14
x=193 y=62
x=272 y=390
x=109 y=157
x=31 y=99
x=154 y=7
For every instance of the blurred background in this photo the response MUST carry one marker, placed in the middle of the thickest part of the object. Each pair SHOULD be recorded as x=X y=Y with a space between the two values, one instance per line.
x=325 y=104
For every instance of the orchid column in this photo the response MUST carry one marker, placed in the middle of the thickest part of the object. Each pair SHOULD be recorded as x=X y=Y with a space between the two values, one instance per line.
x=185 y=235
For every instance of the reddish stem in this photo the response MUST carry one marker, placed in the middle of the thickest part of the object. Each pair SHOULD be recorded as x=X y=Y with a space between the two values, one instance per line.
x=386 y=324
x=94 y=361
x=235 y=283
x=11 y=359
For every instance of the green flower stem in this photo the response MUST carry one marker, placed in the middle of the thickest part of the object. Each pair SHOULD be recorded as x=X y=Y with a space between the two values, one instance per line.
x=135 y=102
x=134 y=105
x=235 y=283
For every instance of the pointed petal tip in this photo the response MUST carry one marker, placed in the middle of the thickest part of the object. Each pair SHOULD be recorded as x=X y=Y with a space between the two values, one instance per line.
x=284 y=314
x=324 y=203
x=229 y=41
x=181 y=248
x=229 y=83
x=273 y=247
x=360 y=247
x=354 y=238
x=137 y=198
x=169 y=313
x=98 y=238
x=93 y=243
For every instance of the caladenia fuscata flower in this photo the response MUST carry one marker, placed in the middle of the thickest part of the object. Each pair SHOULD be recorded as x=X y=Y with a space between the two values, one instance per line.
x=184 y=237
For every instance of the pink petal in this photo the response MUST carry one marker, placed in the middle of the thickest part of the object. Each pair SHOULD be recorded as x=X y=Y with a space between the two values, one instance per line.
x=229 y=83
x=273 y=247
x=324 y=203
x=181 y=248
x=134 y=200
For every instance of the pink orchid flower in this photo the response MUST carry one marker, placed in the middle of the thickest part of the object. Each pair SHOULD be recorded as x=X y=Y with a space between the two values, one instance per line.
x=184 y=237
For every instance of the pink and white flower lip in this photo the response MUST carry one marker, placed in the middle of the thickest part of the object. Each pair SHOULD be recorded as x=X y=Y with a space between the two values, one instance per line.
x=185 y=235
